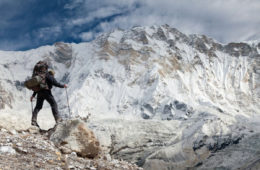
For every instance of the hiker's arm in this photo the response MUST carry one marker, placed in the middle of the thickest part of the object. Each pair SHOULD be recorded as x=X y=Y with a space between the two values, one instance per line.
x=55 y=83
x=34 y=94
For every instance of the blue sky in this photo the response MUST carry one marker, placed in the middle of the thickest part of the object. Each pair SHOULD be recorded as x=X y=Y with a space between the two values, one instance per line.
x=26 y=24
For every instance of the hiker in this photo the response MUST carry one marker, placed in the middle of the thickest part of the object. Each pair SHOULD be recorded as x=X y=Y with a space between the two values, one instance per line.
x=45 y=94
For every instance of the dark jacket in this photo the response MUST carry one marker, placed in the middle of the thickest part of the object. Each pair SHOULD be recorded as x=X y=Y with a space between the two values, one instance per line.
x=51 y=81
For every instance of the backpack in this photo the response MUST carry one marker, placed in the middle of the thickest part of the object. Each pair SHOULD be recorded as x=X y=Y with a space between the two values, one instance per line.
x=38 y=80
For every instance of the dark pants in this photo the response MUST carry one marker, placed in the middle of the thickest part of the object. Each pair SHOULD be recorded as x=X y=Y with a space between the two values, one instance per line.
x=41 y=96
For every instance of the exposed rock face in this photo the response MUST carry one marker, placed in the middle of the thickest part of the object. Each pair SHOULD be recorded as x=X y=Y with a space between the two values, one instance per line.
x=239 y=49
x=154 y=146
x=74 y=136
x=6 y=98
x=250 y=147
x=63 y=53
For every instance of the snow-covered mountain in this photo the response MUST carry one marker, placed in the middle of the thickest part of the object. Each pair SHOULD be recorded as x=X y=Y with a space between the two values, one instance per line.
x=156 y=96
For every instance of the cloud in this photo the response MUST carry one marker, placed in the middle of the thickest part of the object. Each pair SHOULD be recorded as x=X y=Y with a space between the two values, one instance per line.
x=72 y=4
x=45 y=21
x=223 y=20
x=87 y=36
x=10 y=45
x=46 y=33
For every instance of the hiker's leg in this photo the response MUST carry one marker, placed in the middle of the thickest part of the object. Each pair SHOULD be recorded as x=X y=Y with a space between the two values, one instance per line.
x=54 y=108
x=37 y=108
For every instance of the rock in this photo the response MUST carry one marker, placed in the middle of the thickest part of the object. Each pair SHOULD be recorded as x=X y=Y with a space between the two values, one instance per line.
x=18 y=144
x=36 y=151
x=34 y=130
x=73 y=154
x=74 y=136
x=3 y=130
x=7 y=149
x=21 y=150
x=13 y=132
x=107 y=157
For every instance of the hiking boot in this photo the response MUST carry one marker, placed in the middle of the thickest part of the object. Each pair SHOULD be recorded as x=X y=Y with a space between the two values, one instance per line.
x=58 y=120
x=34 y=123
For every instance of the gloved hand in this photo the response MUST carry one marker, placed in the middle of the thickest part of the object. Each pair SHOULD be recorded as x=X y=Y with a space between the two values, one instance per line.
x=31 y=99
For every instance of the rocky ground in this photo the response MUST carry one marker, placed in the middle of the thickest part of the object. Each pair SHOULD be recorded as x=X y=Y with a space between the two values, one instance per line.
x=32 y=149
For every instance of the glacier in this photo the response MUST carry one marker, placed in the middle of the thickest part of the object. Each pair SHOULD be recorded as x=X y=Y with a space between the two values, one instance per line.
x=156 y=97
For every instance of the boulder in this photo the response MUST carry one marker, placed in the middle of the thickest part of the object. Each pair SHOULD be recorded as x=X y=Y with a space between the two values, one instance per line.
x=74 y=136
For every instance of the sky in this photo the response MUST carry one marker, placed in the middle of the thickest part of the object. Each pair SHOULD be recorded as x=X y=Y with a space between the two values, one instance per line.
x=27 y=24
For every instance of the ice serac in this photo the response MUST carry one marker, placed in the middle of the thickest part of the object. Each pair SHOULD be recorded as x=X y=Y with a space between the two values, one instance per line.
x=157 y=97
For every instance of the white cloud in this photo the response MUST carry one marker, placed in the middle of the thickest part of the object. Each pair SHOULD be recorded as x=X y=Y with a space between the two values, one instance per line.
x=87 y=36
x=73 y=4
x=82 y=20
x=47 y=33
x=99 y=13
x=232 y=20
x=8 y=45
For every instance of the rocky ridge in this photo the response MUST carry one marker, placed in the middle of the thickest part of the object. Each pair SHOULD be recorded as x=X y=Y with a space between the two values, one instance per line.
x=33 y=149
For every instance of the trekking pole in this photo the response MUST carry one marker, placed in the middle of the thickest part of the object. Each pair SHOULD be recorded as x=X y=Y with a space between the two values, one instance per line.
x=32 y=106
x=68 y=102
